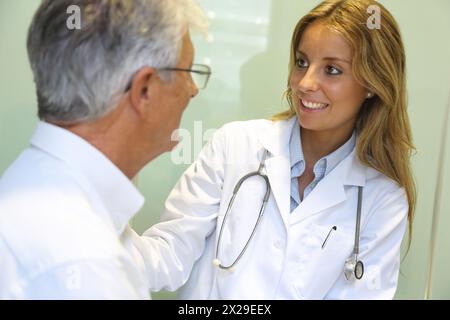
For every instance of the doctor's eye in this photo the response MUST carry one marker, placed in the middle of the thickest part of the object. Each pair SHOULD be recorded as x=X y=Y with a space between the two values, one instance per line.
x=301 y=63
x=333 y=71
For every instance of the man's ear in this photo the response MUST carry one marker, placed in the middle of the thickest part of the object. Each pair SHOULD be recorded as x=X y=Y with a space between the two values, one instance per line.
x=141 y=87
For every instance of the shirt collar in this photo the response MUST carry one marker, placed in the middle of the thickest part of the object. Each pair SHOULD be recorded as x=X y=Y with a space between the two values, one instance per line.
x=117 y=193
x=331 y=160
x=334 y=158
x=295 y=146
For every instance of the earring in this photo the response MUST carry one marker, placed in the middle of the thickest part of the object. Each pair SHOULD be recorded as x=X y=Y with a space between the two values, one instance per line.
x=369 y=95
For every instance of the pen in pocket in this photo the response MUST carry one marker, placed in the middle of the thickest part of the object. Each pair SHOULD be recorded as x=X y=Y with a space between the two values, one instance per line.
x=328 y=236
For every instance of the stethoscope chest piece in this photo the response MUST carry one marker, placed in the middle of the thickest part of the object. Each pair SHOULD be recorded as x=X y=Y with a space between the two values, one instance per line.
x=353 y=268
x=359 y=270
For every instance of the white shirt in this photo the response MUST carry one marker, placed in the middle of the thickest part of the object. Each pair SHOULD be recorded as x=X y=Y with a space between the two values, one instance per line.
x=64 y=213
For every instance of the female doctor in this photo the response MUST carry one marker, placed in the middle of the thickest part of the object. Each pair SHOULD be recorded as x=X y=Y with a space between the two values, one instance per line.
x=325 y=213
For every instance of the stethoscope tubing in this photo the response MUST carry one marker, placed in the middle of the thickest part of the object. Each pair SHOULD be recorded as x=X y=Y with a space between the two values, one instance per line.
x=260 y=214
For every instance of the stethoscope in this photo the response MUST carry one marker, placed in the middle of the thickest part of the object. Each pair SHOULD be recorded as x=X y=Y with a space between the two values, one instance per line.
x=258 y=173
x=353 y=267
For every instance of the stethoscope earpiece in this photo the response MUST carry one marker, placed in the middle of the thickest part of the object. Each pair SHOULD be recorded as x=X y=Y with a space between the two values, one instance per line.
x=216 y=262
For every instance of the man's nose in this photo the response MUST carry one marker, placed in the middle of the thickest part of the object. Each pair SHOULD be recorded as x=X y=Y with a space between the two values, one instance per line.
x=194 y=89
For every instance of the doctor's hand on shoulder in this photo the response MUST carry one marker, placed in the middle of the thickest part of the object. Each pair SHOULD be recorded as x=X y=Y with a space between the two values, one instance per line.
x=313 y=203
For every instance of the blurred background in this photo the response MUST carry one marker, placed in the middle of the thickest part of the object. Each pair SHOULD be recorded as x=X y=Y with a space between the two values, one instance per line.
x=248 y=50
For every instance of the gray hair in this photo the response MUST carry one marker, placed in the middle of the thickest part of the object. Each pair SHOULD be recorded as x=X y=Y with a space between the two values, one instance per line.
x=80 y=74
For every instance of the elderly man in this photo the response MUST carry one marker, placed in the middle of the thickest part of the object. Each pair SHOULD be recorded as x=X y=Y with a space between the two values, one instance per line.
x=110 y=94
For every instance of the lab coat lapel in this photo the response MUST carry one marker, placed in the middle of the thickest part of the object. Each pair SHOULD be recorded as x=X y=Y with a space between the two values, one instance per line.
x=278 y=170
x=279 y=174
x=330 y=191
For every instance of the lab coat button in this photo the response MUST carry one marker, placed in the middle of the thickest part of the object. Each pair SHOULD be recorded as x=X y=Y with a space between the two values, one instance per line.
x=278 y=244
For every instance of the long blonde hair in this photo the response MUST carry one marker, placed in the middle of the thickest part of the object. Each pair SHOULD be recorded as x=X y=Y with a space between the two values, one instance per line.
x=384 y=134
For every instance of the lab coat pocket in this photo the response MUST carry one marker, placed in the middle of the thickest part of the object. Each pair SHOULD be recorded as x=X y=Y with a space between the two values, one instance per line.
x=324 y=251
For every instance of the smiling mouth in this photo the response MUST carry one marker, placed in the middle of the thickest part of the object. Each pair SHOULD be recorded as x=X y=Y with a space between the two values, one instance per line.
x=313 y=105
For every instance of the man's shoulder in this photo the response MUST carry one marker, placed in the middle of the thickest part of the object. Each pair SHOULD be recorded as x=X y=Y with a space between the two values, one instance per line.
x=35 y=169
x=46 y=216
x=38 y=187
x=41 y=240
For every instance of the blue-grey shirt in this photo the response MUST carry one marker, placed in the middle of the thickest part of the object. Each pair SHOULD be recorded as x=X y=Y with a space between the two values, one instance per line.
x=321 y=167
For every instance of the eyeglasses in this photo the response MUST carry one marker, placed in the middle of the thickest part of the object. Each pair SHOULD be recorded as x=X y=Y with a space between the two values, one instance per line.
x=200 y=74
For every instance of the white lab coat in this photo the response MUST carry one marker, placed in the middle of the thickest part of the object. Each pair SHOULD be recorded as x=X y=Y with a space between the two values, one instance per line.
x=285 y=259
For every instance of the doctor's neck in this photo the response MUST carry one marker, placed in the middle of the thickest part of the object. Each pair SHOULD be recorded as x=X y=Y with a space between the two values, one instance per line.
x=318 y=144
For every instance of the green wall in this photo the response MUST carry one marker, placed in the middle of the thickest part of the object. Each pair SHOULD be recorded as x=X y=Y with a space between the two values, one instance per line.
x=248 y=50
